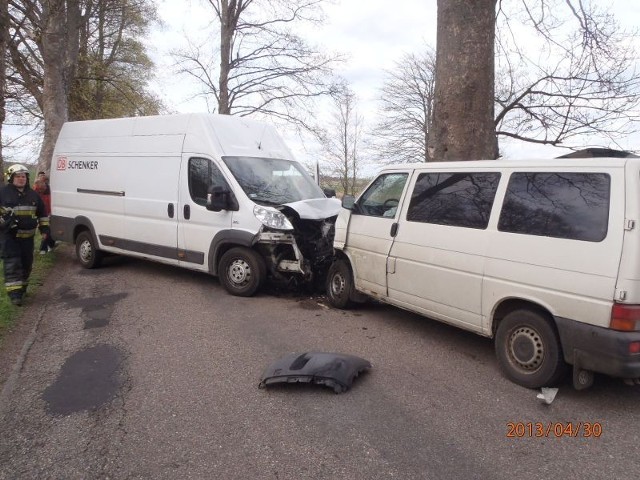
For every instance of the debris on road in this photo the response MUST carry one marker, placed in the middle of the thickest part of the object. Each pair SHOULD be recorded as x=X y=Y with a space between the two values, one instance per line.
x=334 y=370
x=547 y=395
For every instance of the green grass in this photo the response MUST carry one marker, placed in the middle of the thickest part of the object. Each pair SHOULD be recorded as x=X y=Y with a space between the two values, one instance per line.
x=9 y=314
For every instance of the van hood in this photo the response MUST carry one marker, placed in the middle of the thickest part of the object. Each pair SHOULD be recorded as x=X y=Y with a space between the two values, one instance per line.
x=316 y=208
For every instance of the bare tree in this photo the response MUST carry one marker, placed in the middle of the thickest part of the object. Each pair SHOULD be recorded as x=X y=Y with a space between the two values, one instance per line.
x=463 y=116
x=407 y=110
x=569 y=85
x=574 y=82
x=264 y=66
x=341 y=140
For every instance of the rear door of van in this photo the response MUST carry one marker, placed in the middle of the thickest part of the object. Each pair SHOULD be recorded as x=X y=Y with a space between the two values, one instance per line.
x=628 y=282
x=197 y=226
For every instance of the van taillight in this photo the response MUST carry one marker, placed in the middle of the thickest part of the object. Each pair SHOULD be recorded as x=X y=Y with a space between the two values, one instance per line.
x=625 y=317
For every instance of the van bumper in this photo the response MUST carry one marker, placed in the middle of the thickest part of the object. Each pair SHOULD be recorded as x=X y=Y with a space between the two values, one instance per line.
x=599 y=349
x=62 y=228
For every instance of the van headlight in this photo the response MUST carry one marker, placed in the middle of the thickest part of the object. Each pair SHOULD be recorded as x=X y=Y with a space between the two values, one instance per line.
x=272 y=218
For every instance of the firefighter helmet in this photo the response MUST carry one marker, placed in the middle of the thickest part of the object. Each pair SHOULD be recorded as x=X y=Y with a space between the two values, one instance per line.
x=16 y=168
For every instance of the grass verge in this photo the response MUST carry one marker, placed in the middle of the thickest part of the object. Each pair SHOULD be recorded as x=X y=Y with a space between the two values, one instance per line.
x=42 y=264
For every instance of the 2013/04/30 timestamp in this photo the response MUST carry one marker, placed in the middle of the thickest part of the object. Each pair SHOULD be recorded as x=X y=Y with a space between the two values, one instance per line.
x=554 y=429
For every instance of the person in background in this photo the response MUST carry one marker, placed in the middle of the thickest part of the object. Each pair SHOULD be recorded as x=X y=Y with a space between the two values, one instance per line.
x=41 y=185
x=21 y=211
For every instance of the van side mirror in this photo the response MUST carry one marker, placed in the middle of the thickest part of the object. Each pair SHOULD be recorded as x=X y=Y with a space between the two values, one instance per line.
x=329 y=192
x=218 y=199
x=348 y=201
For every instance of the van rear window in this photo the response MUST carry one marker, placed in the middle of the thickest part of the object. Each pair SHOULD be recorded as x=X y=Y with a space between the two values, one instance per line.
x=562 y=205
x=455 y=199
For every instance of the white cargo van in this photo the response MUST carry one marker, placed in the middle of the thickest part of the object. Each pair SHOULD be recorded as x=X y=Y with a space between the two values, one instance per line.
x=544 y=256
x=213 y=193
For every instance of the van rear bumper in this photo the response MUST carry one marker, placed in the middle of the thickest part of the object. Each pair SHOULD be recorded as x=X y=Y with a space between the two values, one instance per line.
x=599 y=349
x=62 y=228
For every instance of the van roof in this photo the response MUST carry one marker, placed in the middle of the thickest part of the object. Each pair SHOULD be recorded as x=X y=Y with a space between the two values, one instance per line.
x=518 y=164
x=173 y=134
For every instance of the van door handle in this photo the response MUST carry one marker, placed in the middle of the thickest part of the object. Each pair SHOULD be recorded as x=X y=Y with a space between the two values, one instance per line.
x=170 y=210
x=186 y=212
x=394 y=229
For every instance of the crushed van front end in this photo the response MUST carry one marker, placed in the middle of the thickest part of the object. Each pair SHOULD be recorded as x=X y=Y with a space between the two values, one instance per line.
x=301 y=255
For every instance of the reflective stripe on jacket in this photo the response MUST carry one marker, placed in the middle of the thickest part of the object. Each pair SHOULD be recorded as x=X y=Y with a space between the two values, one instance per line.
x=28 y=208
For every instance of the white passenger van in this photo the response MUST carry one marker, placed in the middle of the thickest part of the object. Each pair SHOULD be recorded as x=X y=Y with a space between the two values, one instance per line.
x=543 y=256
x=212 y=193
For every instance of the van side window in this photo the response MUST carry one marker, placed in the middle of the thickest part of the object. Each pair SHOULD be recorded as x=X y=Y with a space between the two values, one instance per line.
x=562 y=205
x=454 y=199
x=203 y=174
x=383 y=196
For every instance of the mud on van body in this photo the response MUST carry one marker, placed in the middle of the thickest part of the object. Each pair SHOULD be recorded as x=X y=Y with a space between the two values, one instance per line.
x=213 y=193
x=543 y=256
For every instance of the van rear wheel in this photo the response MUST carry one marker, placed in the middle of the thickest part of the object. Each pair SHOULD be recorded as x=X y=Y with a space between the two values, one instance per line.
x=242 y=271
x=528 y=349
x=87 y=251
x=340 y=284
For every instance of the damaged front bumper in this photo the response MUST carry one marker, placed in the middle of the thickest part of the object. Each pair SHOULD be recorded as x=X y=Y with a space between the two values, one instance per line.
x=283 y=253
x=334 y=370
x=303 y=254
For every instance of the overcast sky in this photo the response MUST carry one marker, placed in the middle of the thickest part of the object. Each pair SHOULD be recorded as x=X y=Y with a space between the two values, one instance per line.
x=373 y=33
x=370 y=32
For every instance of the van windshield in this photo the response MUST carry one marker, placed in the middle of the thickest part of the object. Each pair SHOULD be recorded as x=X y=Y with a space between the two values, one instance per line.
x=271 y=181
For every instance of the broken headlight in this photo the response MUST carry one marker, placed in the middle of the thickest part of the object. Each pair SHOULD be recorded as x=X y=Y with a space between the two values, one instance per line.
x=272 y=218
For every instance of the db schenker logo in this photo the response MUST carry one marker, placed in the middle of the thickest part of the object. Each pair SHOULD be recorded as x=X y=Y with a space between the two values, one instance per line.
x=62 y=163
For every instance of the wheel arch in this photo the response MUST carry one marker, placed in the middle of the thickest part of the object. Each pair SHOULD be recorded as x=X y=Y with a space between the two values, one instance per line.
x=356 y=296
x=508 y=305
x=225 y=240
x=342 y=255
x=83 y=224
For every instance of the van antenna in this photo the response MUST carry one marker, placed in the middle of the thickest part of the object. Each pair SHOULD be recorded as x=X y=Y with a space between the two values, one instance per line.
x=264 y=129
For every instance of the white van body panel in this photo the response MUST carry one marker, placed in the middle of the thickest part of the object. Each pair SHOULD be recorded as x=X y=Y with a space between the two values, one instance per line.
x=369 y=246
x=443 y=277
x=460 y=275
x=628 y=284
x=567 y=277
x=195 y=233
x=143 y=157
x=465 y=275
x=128 y=181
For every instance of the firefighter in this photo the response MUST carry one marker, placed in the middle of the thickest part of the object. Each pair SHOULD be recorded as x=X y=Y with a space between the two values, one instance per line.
x=21 y=211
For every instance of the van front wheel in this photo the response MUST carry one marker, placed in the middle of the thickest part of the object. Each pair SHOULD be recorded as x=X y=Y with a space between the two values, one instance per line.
x=242 y=271
x=340 y=284
x=528 y=349
x=87 y=251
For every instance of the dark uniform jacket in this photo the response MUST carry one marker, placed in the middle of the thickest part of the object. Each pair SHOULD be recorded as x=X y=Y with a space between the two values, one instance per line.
x=28 y=208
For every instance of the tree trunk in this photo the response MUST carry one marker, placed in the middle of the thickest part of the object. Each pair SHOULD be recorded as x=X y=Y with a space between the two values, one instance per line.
x=227 y=27
x=60 y=44
x=463 y=124
x=4 y=43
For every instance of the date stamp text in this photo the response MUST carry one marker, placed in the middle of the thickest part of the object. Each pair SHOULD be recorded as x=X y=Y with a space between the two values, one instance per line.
x=554 y=429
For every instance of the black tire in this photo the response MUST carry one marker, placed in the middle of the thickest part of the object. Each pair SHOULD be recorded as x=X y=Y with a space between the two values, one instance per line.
x=528 y=349
x=340 y=287
x=87 y=251
x=242 y=271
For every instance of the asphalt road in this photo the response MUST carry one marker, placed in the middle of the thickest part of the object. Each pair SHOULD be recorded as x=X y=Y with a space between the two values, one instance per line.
x=140 y=370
